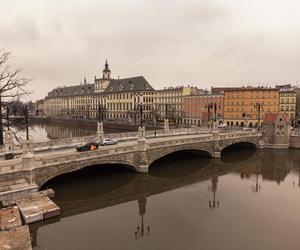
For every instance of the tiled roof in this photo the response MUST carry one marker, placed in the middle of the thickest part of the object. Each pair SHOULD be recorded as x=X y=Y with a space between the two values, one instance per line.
x=138 y=83
x=86 y=89
x=271 y=117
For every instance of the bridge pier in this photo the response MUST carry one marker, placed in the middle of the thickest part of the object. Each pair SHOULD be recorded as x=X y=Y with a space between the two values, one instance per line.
x=142 y=169
x=217 y=155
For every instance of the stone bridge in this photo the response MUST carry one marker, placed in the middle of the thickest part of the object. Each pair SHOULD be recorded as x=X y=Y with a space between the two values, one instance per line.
x=137 y=153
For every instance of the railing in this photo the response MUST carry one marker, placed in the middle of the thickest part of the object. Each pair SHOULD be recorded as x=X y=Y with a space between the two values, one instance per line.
x=65 y=158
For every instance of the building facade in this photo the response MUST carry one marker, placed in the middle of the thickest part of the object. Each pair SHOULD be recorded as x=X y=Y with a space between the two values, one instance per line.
x=297 y=119
x=247 y=106
x=105 y=98
x=200 y=109
x=168 y=103
x=287 y=104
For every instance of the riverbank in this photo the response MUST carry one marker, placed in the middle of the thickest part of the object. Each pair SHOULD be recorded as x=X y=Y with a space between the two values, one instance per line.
x=109 y=126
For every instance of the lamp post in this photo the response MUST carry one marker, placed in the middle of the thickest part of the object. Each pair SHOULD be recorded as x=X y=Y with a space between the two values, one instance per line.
x=213 y=204
x=256 y=188
x=139 y=107
x=258 y=107
x=101 y=110
x=166 y=114
x=140 y=230
x=26 y=122
x=212 y=105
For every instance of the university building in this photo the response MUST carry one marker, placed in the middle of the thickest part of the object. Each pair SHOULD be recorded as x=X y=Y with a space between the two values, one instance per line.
x=106 y=97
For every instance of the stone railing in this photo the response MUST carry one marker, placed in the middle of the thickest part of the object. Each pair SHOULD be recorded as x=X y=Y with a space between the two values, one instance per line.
x=177 y=141
x=65 y=158
x=10 y=166
x=121 y=137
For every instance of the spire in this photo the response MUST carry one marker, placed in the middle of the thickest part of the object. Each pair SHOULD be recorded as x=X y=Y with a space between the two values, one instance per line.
x=106 y=71
x=84 y=80
x=106 y=64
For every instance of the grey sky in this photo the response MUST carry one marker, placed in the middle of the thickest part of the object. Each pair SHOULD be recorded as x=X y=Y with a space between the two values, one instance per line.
x=170 y=42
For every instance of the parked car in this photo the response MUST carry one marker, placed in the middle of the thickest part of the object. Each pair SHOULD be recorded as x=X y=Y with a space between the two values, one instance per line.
x=108 y=141
x=87 y=147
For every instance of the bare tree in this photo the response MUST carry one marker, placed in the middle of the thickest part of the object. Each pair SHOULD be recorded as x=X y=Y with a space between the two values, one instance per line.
x=176 y=116
x=155 y=115
x=12 y=86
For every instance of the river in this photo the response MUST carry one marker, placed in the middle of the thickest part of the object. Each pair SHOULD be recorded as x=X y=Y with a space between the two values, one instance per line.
x=246 y=200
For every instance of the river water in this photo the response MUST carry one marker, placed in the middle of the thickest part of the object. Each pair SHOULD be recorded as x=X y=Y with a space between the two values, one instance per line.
x=247 y=200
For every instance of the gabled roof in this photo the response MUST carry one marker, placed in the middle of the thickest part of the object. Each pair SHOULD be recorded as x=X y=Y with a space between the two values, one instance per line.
x=138 y=83
x=272 y=117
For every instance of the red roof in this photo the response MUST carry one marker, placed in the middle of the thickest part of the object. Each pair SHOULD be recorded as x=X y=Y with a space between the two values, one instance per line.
x=271 y=117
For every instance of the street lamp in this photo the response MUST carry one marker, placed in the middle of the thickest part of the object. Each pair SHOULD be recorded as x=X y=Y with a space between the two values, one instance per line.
x=256 y=188
x=139 y=107
x=213 y=106
x=258 y=107
x=26 y=122
x=101 y=110
x=213 y=204
x=166 y=114
x=140 y=230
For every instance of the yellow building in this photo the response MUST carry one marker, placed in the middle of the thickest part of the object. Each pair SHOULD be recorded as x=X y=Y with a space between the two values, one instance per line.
x=125 y=97
x=248 y=106
x=170 y=100
x=288 y=103
x=106 y=98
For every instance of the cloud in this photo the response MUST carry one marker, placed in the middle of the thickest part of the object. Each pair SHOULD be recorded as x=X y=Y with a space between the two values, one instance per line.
x=170 y=42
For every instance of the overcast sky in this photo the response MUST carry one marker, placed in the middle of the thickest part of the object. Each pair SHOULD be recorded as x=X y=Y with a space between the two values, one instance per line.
x=169 y=42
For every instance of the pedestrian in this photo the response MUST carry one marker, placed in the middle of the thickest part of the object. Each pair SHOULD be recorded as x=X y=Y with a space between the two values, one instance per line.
x=154 y=133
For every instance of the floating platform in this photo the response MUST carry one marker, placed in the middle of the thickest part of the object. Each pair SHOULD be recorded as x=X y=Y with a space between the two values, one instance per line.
x=37 y=207
x=17 y=238
x=10 y=218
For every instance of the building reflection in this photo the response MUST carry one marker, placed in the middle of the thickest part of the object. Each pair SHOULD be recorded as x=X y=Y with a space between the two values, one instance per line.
x=140 y=231
x=58 y=132
x=79 y=195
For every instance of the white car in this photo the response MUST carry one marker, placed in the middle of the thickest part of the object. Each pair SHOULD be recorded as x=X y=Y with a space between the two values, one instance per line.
x=108 y=141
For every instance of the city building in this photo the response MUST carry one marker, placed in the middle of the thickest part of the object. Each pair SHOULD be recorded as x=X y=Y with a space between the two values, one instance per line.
x=200 y=109
x=106 y=97
x=39 y=107
x=126 y=97
x=168 y=103
x=277 y=128
x=247 y=106
x=287 y=101
x=297 y=119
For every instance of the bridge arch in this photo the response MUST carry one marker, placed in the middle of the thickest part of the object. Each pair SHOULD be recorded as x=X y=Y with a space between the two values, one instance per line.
x=75 y=166
x=170 y=150
x=242 y=143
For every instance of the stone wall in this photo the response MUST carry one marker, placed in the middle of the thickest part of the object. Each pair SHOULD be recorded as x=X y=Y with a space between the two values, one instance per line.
x=295 y=141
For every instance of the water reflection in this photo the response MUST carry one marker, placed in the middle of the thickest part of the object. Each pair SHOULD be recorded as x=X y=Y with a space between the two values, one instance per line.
x=177 y=179
x=213 y=204
x=140 y=230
